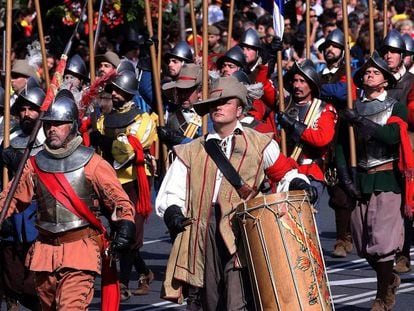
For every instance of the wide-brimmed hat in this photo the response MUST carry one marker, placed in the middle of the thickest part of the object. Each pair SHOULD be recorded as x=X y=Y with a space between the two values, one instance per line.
x=190 y=76
x=307 y=70
x=109 y=57
x=378 y=62
x=222 y=88
x=22 y=67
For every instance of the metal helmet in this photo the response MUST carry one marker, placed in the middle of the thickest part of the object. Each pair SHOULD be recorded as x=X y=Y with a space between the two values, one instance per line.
x=32 y=96
x=336 y=38
x=378 y=62
x=127 y=81
x=393 y=41
x=409 y=44
x=63 y=108
x=125 y=65
x=250 y=38
x=32 y=82
x=77 y=67
x=241 y=76
x=234 y=55
x=182 y=51
x=307 y=70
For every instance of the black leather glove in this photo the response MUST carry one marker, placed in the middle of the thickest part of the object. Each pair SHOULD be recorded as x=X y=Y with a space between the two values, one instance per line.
x=101 y=141
x=174 y=220
x=169 y=136
x=276 y=45
x=124 y=237
x=294 y=127
x=299 y=184
x=347 y=181
x=12 y=158
x=366 y=127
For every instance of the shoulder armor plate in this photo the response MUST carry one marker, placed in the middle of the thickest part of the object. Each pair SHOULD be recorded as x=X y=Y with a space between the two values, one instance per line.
x=74 y=161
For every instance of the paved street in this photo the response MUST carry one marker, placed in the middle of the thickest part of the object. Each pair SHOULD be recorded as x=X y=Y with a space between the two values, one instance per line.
x=352 y=282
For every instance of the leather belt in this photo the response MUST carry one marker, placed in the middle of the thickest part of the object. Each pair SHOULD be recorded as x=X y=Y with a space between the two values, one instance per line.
x=389 y=166
x=66 y=237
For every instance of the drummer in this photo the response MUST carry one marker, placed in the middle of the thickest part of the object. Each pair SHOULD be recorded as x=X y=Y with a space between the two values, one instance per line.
x=198 y=201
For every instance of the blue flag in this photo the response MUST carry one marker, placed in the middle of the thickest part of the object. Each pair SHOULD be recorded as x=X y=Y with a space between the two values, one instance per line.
x=279 y=17
x=275 y=7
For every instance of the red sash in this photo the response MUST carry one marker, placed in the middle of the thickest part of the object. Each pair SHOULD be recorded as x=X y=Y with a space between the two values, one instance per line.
x=406 y=165
x=62 y=191
x=143 y=205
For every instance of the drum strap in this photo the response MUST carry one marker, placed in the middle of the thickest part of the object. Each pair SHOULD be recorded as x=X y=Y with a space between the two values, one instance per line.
x=216 y=153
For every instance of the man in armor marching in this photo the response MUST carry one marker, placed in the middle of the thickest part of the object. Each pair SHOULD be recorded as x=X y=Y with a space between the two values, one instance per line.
x=69 y=251
x=308 y=121
x=379 y=122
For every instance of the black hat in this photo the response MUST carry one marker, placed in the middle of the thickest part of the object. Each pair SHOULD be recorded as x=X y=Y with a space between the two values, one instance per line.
x=378 y=62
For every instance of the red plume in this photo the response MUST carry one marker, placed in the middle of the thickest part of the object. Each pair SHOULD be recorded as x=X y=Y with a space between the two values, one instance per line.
x=92 y=92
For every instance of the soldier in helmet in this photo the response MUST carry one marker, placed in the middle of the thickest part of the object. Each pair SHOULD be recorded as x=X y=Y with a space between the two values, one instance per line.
x=18 y=231
x=177 y=57
x=393 y=50
x=334 y=91
x=125 y=136
x=257 y=70
x=76 y=76
x=409 y=58
x=308 y=141
x=379 y=122
x=71 y=184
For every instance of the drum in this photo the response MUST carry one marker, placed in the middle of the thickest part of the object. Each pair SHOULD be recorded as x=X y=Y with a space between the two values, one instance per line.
x=283 y=253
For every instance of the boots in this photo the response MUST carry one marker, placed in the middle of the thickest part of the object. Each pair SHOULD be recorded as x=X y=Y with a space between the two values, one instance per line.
x=144 y=282
x=379 y=305
x=402 y=264
x=339 y=249
x=391 y=292
x=125 y=292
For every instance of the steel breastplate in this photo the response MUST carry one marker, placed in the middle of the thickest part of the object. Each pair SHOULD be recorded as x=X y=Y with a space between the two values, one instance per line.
x=116 y=122
x=20 y=141
x=52 y=216
x=74 y=161
x=299 y=112
x=372 y=153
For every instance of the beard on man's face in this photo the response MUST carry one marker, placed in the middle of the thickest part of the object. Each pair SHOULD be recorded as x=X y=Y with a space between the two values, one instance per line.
x=27 y=124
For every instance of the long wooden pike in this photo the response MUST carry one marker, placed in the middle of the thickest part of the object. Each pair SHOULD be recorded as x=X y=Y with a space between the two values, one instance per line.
x=91 y=42
x=50 y=94
x=385 y=9
x=230 y=28
x=159 y=36
x=156 y=80
x=194 y=27
x=371 y=26
x=352 y=147
x=308 y=29
x=205 y=62
x=6 y=118
x=42 y=42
